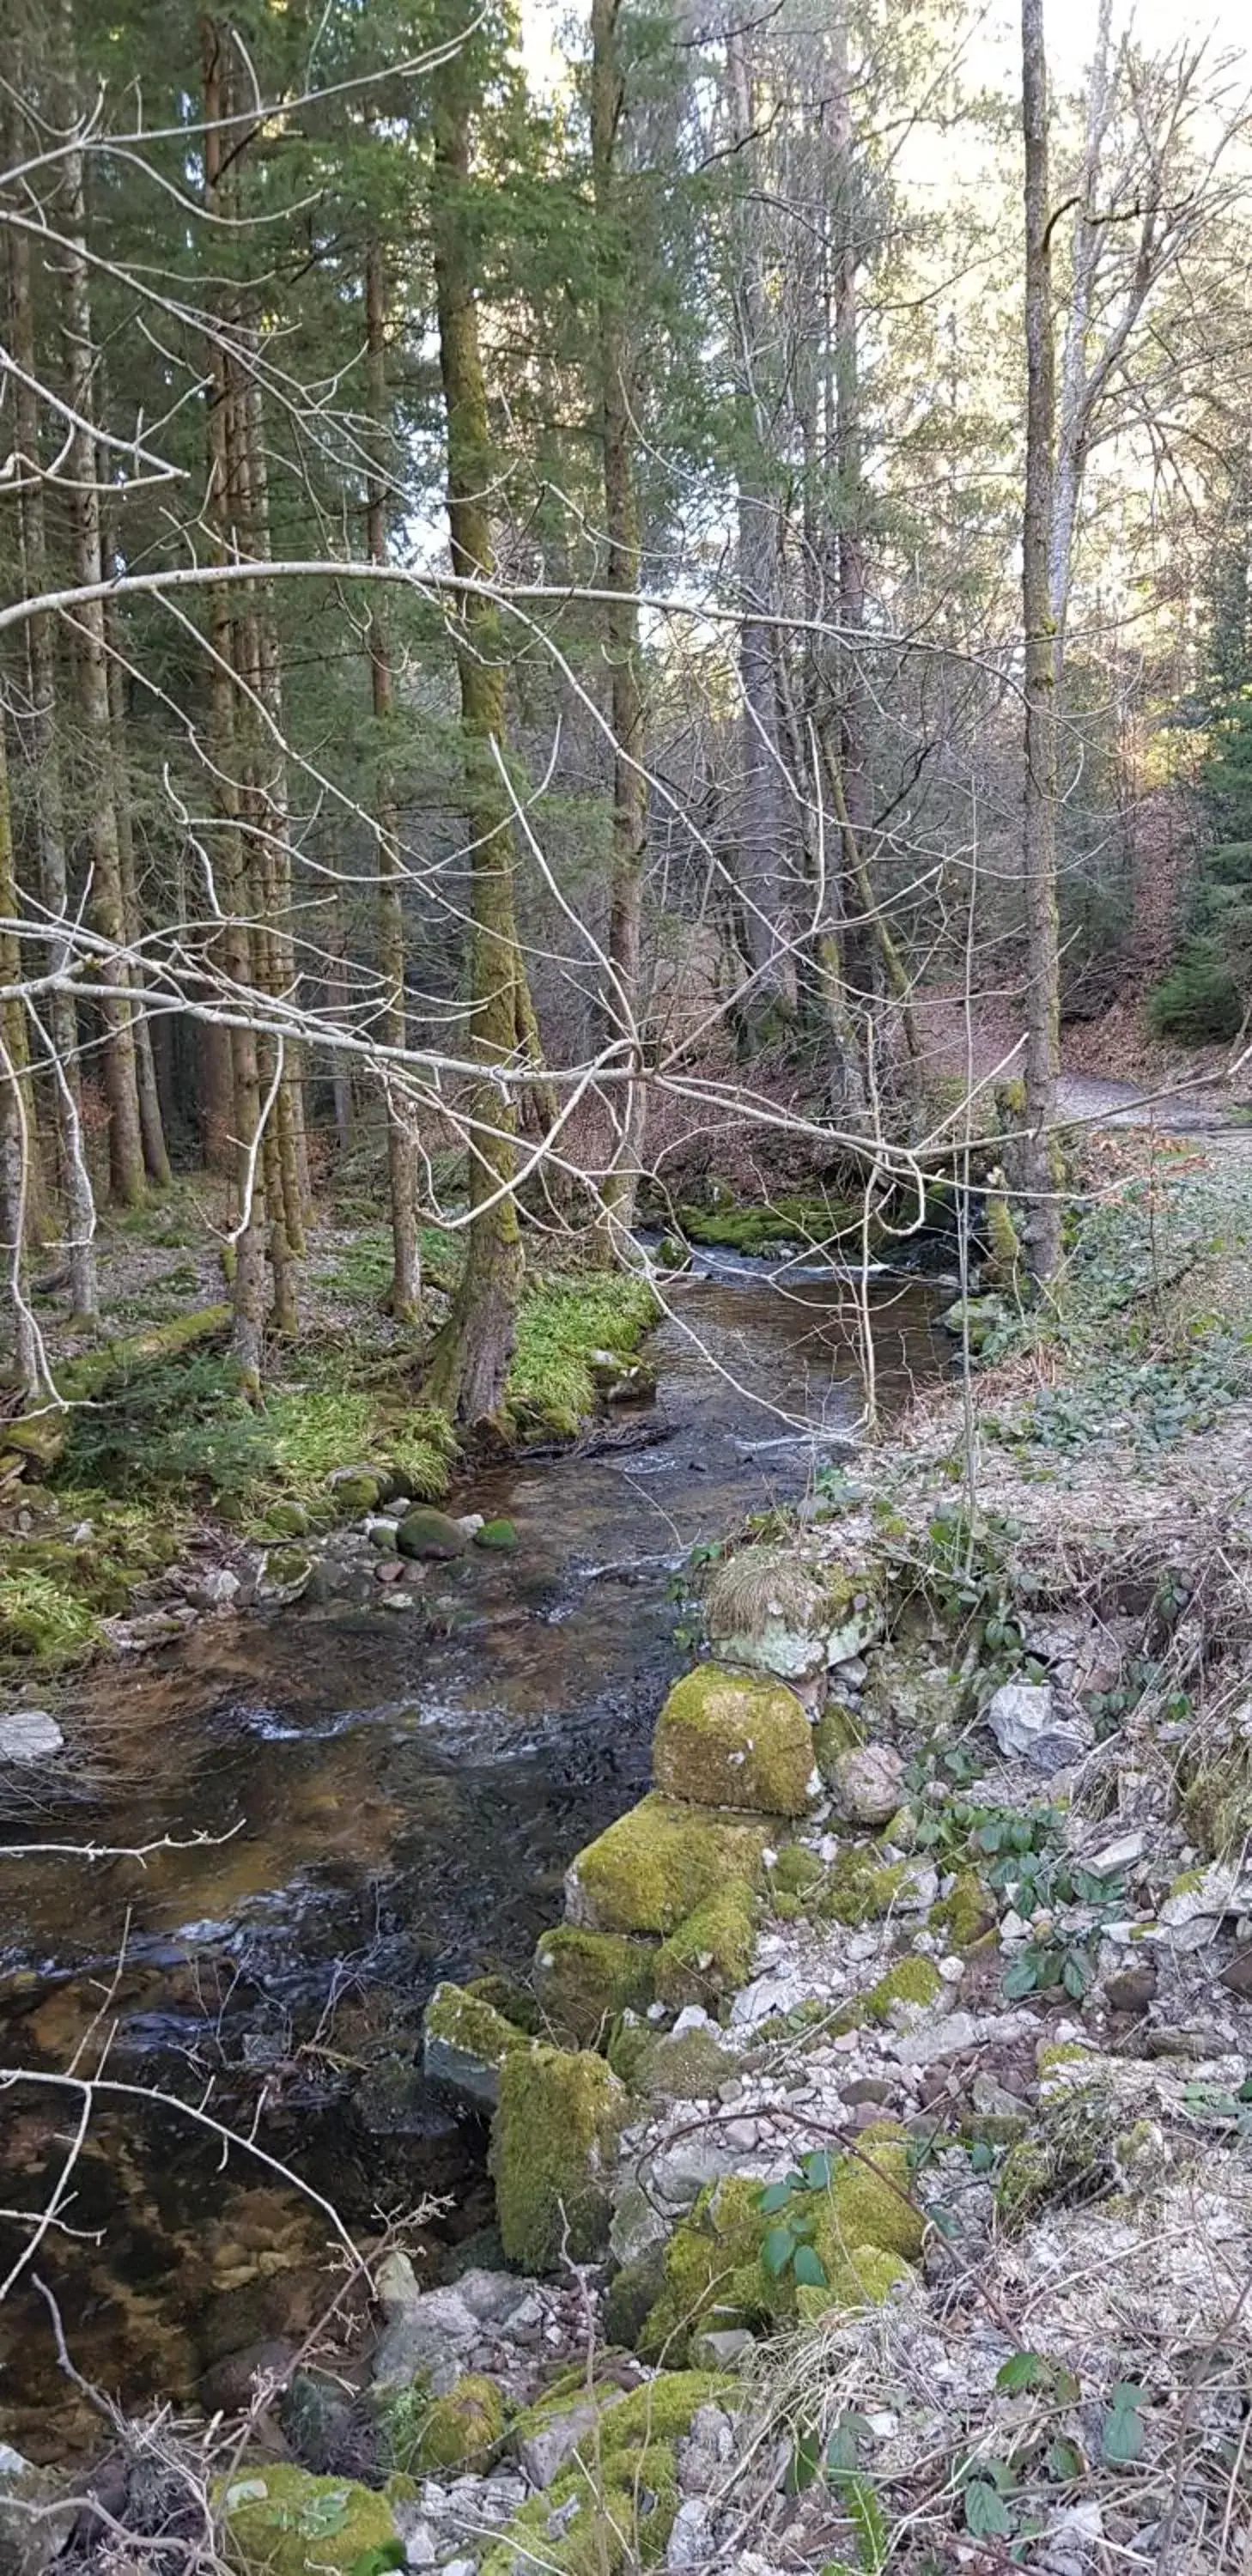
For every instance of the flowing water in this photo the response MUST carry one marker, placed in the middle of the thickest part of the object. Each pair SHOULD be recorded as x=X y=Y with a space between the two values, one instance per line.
x=384 y=1798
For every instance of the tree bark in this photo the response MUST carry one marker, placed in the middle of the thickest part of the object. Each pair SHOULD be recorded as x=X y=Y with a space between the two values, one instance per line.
x=762 y=833
x=42 y=747
x=155 y=1156
x=471 y=1358
x=14 y=1111
x=618 y=397
x=126 y=1163
x=404 y=1297
x=248 y=1284
x=1043 y=1224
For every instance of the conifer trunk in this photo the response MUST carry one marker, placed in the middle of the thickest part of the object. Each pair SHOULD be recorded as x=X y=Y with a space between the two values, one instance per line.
x=471 y=1358
x=126 y=1162
x=43 y=751
x=1043 y=1225
x=622 y=571
x=14 y=1127
x=404 y=1297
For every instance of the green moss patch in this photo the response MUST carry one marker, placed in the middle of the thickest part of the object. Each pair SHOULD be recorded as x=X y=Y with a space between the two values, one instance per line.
x=584 y=1979
x=465 y=2042
x=425 y=2434
x=658 y=1863
x=613 y=2508
x=725 y=1741
x=709 y=1957
x=283 y=2521
x=552 y=2143
x=861 y=1887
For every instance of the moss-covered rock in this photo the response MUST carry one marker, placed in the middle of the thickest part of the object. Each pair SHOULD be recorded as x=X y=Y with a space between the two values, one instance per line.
x=499 y=1534
x=867 y=2207
x=279 y=2520
x=614 y=2507
x=966 y=1912
x=658 y=1863
x=465 y=2043
x=631 y=2295
x=681 y=2066
x=430 y=1534
x=552 y=2141
x=795 y=1871
x=861 y=1886
x=763 y=1608
x=915 y=1981
x=713 y=2273
x=356 y=1489
x=583 y=1980
x=709 y=1957
x=1025 y=2179
x=424 y=2434
x=838 y=1730
x=724 y=1741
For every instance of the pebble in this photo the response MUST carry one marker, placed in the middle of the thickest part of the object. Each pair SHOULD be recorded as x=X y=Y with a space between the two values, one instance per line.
x=29 y=1735
x=419 y=2546
x=742 y=2133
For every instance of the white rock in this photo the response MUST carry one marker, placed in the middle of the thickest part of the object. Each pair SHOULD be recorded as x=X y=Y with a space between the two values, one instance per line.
x=692 y=2017
x=690 y=2541
x=1012 y=1930
x=868 y=1784
x=29 y=1735
x=951 y=1970
x=943 y=2038
x=546 y=2452
x=471 y=1522
x=1118 y=1855
x=764 y=1996
x=419 y=2546
x=1025 y=1721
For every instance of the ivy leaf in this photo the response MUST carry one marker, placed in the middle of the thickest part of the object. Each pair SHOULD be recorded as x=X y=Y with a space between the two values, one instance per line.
x=806 y=2459
x=777 y=2250
x=375 y=2562
x=1063 y=2463
x=1022 y=2370
x=817 y=2169
x=1121 y=2438
x=1075 y=1975
x=809 y=2269
x=986 y=2512
x=981 y=2156
x=1022 y=1977
x=774 y=2197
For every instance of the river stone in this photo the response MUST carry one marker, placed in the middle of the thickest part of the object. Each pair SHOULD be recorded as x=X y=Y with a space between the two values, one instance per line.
x=584 y=1979
x=500 y=1534
x=428 y=1533
x=29 y=1735
x=356 y=1489
x=867 y=1784
x=660 y=1861
x=724 y=1741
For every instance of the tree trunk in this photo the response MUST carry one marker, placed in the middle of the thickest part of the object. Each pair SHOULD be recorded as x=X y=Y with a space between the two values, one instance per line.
x=762 y=832
x=156 y=1159
x=14 y=1112
x=1043 y=1227
x=471 y=1358
x=126 y=1163
x=248 y=1284
x=618 y=401
x=404 y=1297
x=43 y=750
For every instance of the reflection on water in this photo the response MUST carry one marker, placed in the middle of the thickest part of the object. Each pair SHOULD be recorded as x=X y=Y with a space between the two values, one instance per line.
x=382 y=1805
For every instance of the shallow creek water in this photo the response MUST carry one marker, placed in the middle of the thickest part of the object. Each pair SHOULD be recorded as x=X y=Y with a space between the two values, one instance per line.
x=389 y=1798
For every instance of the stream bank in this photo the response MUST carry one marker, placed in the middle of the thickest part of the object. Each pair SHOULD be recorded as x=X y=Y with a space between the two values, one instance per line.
x=386 y=1799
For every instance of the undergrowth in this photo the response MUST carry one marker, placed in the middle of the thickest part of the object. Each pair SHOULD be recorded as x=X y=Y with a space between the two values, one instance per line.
x=561 y=1324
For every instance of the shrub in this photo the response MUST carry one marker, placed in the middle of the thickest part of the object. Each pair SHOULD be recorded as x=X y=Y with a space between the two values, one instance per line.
x=1199 y=999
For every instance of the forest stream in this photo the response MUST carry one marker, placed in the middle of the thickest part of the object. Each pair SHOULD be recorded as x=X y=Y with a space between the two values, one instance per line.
x=385 y=1800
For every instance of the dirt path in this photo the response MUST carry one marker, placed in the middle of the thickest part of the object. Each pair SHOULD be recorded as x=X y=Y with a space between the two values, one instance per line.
x=1191 y=1110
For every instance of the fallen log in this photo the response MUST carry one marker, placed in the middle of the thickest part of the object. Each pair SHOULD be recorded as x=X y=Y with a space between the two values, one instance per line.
x=37 y=1438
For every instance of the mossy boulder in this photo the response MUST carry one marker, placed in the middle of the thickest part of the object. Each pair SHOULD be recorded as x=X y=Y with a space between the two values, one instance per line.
x=658 y=1863
x=552 y=2142
x=763 y=1608
x=461 y=2430
x=279 y=2520
x=631 y=2295
x=465 y=2043
x=427 y=1533
x=583 y=1980
x=499 y=1534
x=287 y=1520
x=796 y=1870
x=357 y=1488
x=725 y=1741
x=867 y=2211
x=709 y=1957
